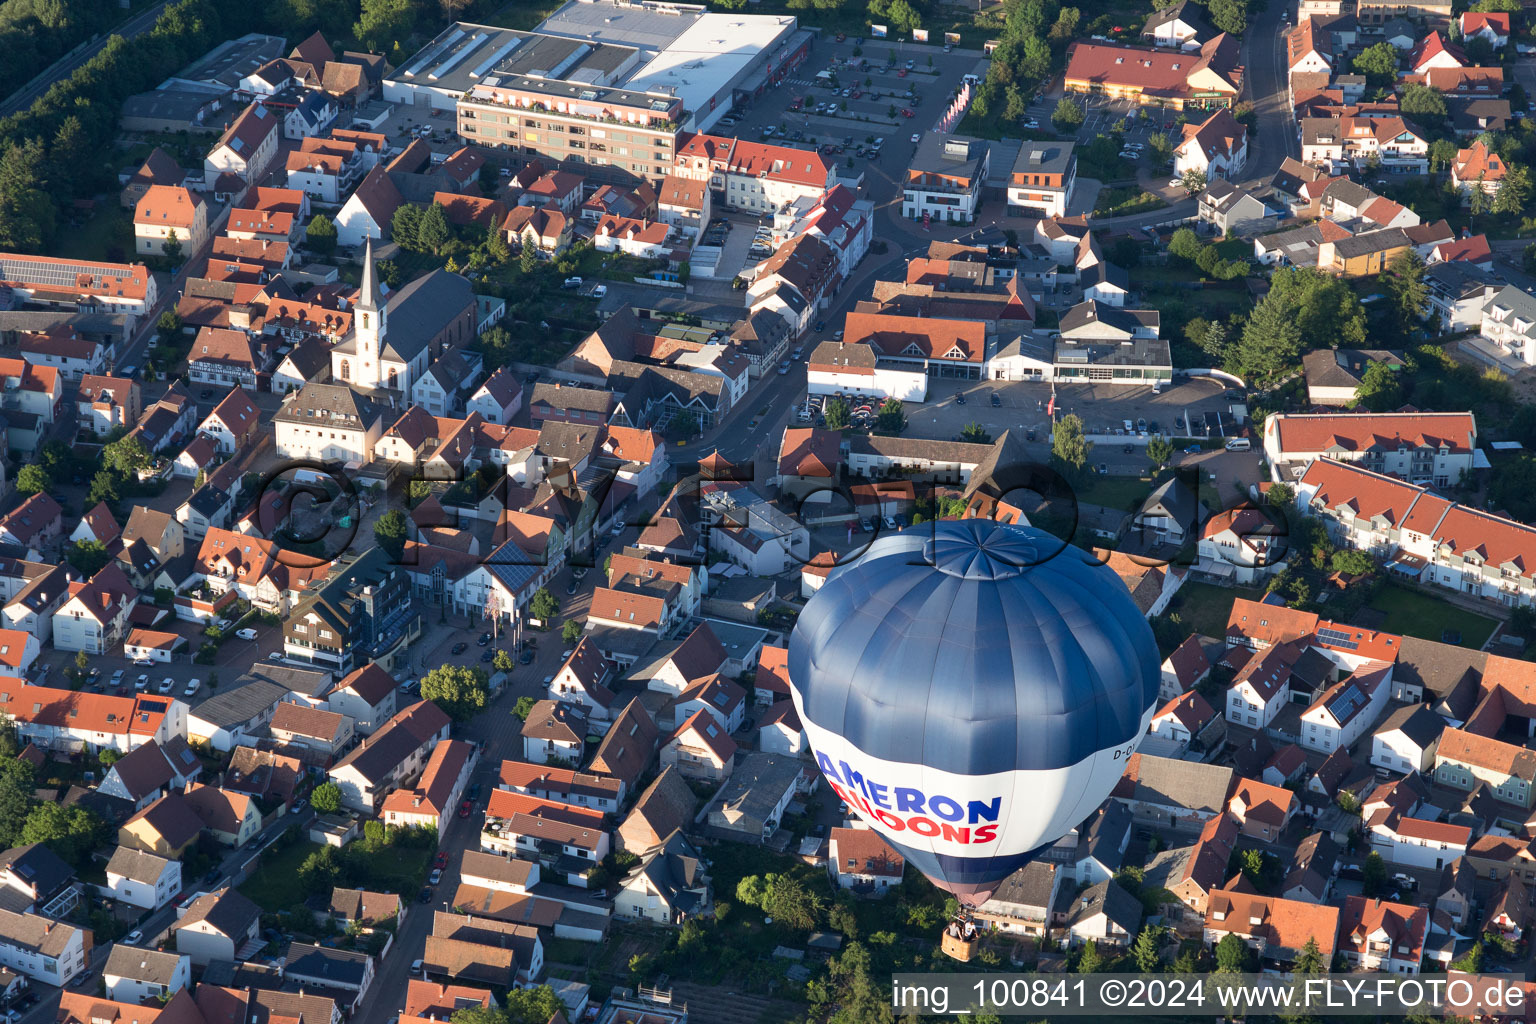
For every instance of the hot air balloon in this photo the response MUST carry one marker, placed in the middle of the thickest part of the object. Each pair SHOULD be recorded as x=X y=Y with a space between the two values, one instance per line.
x=973 y=693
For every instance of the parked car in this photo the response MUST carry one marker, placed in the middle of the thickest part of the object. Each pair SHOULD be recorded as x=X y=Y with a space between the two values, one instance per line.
x=890 y=523
x=167 y=685
x=298 y=806
x=866 y=526
x=916 y=138
x=141 y=683
x=465 y=808
x=485 y=638
x=435 y=877
x=525 y=658
x=117 y=677
x=459 y=648
x=192 y=687
x=997 y=400
x=246 y=634
x=134 y=937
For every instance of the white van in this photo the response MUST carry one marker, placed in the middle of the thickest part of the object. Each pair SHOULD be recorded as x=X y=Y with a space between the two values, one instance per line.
x=1239 y=444
x=246 y=634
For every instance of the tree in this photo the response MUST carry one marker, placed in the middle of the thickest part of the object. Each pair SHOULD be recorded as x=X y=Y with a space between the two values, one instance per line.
x=16 y=785
x=1185 y=244
x=1090 y=960
x=1310 y=961
x=1231 y=954
x=1229 y=15
x=1513 y=488
x=1014 y=107
x=1270 y=343
x=1068 y=113
x=1374 y=875
x=32 y=479
x=502 y=661
x=1070 y=446
x=571 y=631
x=1477 y=198
x=70 y=832
x=1159 y=450
x=1379 y=390
x=459 y=690
x=1161 y=147
x=405 y=225
x=1147 y=952
x=1404 y=284
x=975 y=433
x=1377 y=63
x=321 y=234
x=891 y=419
x=383 y=23
x=535 y=1005
x=127 y=455
x=434 y=231
x=171 y=248
x=320 y=871
x=523 y=708
x=103 y=488
x=1208 y=260
x=1423 y=102
x=790 y=902
x=1471 y=961
x=168 y=326
x=836 y=414
x=390 y=532
x=528 y=259
x=1194 y=180
x=326 y=798
x=88 y=556
x=543 y=605
x=751 y=890
x=1513 y=190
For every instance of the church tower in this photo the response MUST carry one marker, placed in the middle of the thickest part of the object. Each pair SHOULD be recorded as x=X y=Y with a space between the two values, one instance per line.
x=368 y=323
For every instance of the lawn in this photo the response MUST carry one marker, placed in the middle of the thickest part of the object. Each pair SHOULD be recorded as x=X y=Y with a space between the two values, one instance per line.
x=1416 y=614
x=1204 y=607
x=1122 y=492
x=106 y=236
x=1121 y=202
x=274 y=885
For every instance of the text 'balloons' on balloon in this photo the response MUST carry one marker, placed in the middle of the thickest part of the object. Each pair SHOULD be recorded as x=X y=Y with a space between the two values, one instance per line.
x=973 y=692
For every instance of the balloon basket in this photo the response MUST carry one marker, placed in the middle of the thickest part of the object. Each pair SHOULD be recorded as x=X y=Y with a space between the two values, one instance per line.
x=960 y=940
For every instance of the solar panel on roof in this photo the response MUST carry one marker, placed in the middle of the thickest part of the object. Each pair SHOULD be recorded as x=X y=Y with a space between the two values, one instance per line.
x=1347 y=703
x=1336 y=638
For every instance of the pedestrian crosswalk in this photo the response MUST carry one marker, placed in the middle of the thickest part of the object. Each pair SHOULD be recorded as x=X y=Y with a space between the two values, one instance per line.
x=804 y=83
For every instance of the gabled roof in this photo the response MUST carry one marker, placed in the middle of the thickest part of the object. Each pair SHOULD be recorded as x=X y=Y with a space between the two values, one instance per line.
x=628 y=746
x=862 y=851
x=706 y=730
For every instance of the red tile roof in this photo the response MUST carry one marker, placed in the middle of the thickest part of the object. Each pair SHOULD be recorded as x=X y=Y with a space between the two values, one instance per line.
x=1434 y=831
x=773 y=670
x=1360 y=432
x=504 y=803
x=1478 y=161
x=861 y=851
x=755 y=159
x=707 y=731
x=1260 y=801
x=1404 y=926
x=90 y=712
x=1285 y=925
x=918 y=337
x=1269 y=624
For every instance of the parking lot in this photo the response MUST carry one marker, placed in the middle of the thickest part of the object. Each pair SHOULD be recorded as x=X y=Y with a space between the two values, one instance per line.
x=1104 y=408
x=882 y=86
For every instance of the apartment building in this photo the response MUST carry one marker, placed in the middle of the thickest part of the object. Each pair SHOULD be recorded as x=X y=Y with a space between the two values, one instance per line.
x=1043 y=178
x=945 y=178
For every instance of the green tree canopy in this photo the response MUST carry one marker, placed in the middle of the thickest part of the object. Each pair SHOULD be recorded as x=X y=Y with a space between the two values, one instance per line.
x=571 y=631
x=1380 y=389
x=1374 y=872
x=127 y=455
x=835 y=412
x=891 y=419
x=544 y=605
x=321 y=234
x=1068 y=113
x=1070 y=446
x=1423 y=102
x=1159 y=450
x=1377 y=63
x=390 y=532
x=326 y=798
x=32 y=479
x=1231 y=954
x=459 y=690
x=88 y=556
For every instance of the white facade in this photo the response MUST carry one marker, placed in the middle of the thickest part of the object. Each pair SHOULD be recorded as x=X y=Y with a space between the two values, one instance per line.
x=1247 y=706
x=1399 y=842
x=1394 y=751
x=145 y=894
x=882 y=383
x=135 y=992
x=23 y=937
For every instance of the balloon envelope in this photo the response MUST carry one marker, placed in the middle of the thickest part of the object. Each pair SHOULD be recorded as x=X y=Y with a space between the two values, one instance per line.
x=973 y=692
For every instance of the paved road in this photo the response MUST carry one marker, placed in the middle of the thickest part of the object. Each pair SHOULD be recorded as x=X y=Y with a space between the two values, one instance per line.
x=66 y=66
x=1267 y=88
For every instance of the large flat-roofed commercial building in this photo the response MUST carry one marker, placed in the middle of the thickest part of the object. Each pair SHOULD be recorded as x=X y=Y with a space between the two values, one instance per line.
x=603 y=88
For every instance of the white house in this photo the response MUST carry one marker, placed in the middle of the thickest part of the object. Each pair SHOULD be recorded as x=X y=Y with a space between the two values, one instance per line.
x=142 y=879
x=1346 y=709
x=1183 y=669
x=859 y=859
x=139 y=976
x=669 y=886
x=216 y=925
x=780 y=731
x=50 y=952
x=555 y=730
x=94 y=617
x=246 y=148
x=1260 y=689
x=498 y=398
x=1435 y=448
x=1376 y=935
x=328 y=423
x=1418 y=843
x=1406 y=741
x=1217 y=148
x=854 y=369
x=368 y=211
x=233 y=423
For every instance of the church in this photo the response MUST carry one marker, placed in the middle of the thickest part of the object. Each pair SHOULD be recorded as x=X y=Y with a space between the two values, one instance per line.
x=393 y=341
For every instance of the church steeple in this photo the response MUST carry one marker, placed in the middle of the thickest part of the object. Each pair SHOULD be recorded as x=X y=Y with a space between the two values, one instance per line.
x=368 y=322
x=368 y=294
